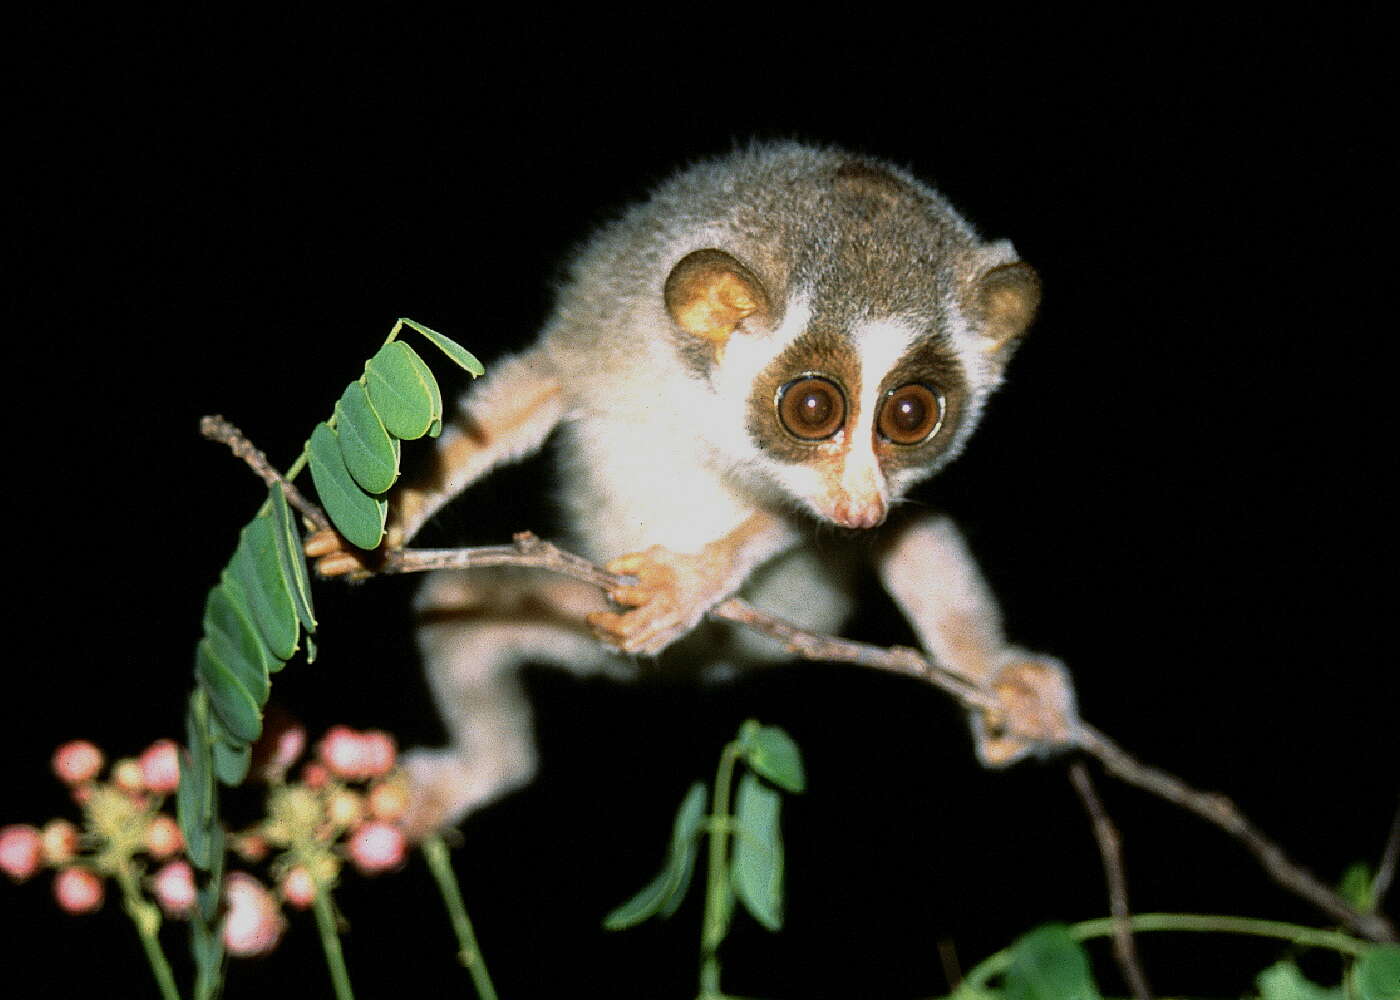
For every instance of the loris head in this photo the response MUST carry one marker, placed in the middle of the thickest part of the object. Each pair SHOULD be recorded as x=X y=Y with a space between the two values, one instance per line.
x=859 y=320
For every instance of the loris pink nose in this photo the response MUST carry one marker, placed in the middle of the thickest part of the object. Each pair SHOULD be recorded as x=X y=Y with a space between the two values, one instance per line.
x=859 y=512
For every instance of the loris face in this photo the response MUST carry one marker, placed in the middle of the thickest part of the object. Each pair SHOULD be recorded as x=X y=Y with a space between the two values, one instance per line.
x=845 y=420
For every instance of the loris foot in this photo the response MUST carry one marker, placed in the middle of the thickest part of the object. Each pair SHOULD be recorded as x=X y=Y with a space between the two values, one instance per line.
x=337 y=557
x=1036 y=712
x=672 y=593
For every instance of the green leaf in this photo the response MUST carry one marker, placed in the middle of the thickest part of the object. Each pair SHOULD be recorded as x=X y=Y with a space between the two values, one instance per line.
x=228 y=698
x=293 y=559
x=644 y=904
x=371 y=455
x=757 y=866
x=194 y=798
x=1048 y=964
x=236 y=640
x=666 y=891
x=258 y=567
x=1377 y=975
x=355 y=514
x=450 y=347
x=403 y=391
x=773 y=753
x=231 y=756
x=1283 y=981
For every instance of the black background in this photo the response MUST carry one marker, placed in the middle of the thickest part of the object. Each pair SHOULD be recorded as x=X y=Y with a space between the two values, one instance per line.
x=1180 y=490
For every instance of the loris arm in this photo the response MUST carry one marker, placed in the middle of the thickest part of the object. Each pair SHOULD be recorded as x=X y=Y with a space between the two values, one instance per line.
x=506 y=417
x=932 y=575
x=675 y=589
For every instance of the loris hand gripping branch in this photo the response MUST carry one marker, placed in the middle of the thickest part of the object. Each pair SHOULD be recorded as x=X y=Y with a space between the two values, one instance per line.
x=780 y=339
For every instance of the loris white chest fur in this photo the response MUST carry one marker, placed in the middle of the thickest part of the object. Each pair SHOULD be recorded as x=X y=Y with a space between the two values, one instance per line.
x=778 y=340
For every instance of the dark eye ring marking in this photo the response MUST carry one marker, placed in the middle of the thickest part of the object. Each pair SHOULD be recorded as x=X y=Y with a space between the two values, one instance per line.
x=811 y=407
x=910 y=414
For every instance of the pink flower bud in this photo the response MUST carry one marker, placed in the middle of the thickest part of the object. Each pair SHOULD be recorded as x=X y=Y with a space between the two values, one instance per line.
x=20 y=849
x=253 y=924
x=298 y=888
x=174 y=888
x=78 y=890
x=287 y=747
x=127 y=775
x=377 y=847
x=163 y=837
x=378 y=753
x=342 y=750
x=77 y=761
x=60 y=841
x=251 y=847
x=315 y=775
x=160 y=767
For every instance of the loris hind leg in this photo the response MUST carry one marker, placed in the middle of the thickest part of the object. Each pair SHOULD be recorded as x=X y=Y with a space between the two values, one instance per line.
x=475 y=632
x=930 y=572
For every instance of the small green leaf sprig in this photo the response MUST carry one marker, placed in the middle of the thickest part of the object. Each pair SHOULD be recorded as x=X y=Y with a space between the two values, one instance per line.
x=752 y=870
x=255 y=617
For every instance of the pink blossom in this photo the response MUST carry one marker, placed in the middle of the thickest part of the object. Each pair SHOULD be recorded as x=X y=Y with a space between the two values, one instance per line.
x=174 y=888
x=163 y=837
x=78 y=890
x=20 y=849
x=298 y=887
x=376 y=847
x=378 y=753
x=160 y=767
x=77 y=761
x=343 y=752
x=253 y=924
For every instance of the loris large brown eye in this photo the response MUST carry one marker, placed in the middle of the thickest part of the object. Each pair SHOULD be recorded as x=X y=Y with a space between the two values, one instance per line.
x=910 y=414
x=811 y=407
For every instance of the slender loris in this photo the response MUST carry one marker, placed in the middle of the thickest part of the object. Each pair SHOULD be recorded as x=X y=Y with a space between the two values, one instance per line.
x=778 y=341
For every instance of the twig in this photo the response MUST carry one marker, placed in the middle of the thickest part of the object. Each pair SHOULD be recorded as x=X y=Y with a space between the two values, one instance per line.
x=1111 y=850
x=1385 y=871
x=216 y=428
x=1223 y=813
x=528 y=550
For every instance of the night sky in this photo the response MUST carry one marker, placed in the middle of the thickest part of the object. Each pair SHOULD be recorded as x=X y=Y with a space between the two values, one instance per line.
x=1180 y=490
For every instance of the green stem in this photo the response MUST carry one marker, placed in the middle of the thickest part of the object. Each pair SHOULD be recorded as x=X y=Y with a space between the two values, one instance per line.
x=469 y=953
x=147 y=920
x=330 y=943
x=1309 y=937
x=717 y=889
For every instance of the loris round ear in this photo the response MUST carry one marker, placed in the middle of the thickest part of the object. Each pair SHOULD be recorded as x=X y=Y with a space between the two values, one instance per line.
x=1006 y=299
x=709 y=292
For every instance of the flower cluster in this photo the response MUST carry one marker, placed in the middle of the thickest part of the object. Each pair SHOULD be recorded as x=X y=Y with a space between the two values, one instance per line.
x=122 y=823
x=345 y=804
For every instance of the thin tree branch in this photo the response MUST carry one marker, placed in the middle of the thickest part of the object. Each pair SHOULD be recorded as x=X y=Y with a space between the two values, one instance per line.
x=1385 y=871
x=1111 y=850
x=527 y=550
